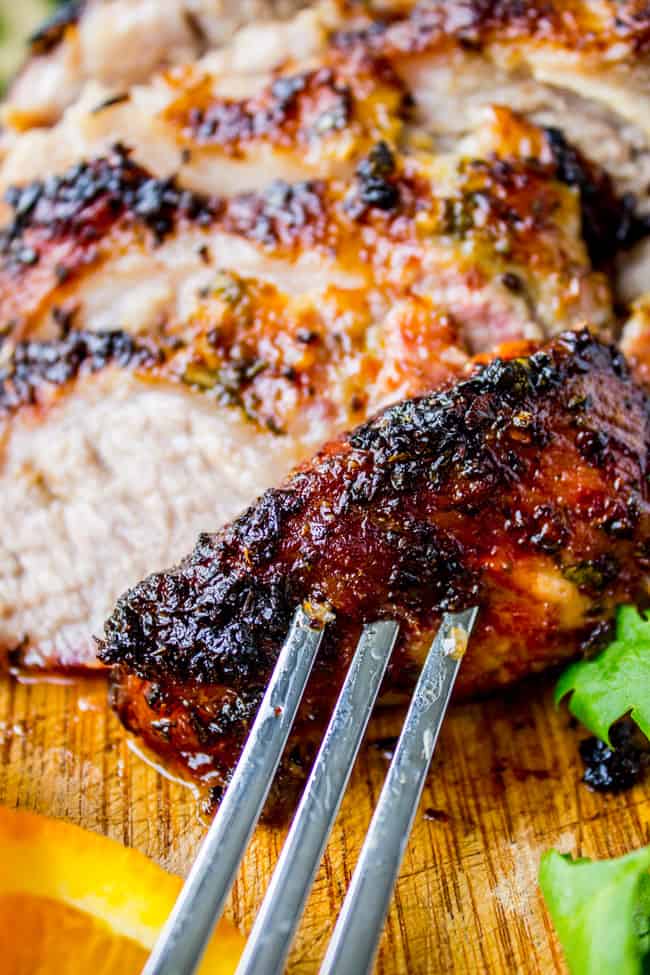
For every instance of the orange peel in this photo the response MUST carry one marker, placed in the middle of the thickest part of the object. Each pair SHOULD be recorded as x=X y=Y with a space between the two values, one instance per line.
x=71 y=899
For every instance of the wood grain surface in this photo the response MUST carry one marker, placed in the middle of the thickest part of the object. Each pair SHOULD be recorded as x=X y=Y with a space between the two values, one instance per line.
x=504 y=786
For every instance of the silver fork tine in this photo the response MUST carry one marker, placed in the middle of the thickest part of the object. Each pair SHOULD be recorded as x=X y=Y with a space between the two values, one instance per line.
x=278 y=917
x=201 y=901
x=358 y=929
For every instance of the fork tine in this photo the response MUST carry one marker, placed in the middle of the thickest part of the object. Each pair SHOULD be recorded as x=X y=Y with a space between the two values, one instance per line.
x=201 y=901
x=278 y=917
x=358 y=929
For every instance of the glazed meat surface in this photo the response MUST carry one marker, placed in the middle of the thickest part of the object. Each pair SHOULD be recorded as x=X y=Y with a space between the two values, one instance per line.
x=129 y=443
x=522 y=489
x=501 y=242
x=118 y=451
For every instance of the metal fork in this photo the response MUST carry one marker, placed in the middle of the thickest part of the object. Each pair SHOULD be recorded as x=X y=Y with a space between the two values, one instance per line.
x=357 y=932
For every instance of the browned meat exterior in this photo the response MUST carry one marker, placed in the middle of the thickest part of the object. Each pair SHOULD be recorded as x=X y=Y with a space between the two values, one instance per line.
x=585 y=72
x=522 y=489
x=497 y=242
x=306 y=98
x=128 y=445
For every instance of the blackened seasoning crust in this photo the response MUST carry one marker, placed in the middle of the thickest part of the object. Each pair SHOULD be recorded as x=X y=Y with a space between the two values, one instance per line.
x=37 y=364
x=64 y=226
x=285 y=113
x=499 y=217
x=473 y=24
x=375 y=188
x=358 y=96
x=438 y=503
x=288 y=215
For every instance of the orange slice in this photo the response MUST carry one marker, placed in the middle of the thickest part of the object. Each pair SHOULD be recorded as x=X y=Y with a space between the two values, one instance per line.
x=74 y=902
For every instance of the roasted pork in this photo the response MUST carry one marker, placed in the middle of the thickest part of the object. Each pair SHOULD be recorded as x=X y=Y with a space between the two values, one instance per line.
x=522 y=489
x=307 y=97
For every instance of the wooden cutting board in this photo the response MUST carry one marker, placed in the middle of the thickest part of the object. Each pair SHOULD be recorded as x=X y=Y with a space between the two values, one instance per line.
x=505 y=785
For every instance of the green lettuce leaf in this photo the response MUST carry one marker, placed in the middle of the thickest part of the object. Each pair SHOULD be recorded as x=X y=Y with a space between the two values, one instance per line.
x=601 y=911
x=616 y=682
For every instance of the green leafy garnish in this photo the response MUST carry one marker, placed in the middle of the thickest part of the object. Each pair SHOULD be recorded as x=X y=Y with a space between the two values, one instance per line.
x=601 y=911
x=616 y=682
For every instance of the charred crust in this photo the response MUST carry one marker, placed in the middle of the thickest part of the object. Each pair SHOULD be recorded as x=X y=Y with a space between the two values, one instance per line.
x=426 y=560
x=35 y=365
x=506 y=203
x=293 y=110
x=89 y=199
x=375 y=184
x=52 y=31
x=225 y=646
x=609 y=222
x=593 y=445
x=467 y=431
x=401 y=519
x=431 y=23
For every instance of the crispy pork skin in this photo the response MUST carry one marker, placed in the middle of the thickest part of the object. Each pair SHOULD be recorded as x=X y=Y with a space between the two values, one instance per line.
x=522 y=489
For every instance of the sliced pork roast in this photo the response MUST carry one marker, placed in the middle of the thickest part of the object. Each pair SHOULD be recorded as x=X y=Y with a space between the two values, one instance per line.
x=583 y=71
x=170 y=356
x=522 y=489
x=207 y=275
x=502 y=243
x=306 y=97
